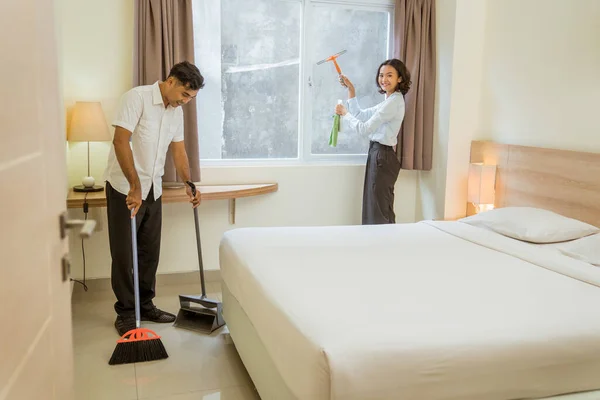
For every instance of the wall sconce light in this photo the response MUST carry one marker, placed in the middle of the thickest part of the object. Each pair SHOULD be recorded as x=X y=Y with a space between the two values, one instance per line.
x=481 y=186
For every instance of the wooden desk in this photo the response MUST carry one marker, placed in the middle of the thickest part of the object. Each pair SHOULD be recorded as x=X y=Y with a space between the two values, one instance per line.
x=178 y=195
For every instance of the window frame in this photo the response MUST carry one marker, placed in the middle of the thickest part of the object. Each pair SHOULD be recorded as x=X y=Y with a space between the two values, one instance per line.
x=304 y=154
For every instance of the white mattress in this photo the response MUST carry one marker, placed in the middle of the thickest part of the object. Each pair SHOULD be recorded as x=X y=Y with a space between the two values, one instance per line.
x=433 y=310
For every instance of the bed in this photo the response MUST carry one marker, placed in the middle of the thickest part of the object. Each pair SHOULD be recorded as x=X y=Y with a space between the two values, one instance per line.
x=431 y=310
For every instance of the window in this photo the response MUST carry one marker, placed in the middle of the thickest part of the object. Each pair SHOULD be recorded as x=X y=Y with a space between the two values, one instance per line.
x=265 y=98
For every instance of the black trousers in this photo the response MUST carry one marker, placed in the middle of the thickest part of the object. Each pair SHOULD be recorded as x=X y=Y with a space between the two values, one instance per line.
x=148 y=224
x=381 y=174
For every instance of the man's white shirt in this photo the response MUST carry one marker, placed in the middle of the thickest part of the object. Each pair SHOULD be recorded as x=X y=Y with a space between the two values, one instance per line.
x=142 y=112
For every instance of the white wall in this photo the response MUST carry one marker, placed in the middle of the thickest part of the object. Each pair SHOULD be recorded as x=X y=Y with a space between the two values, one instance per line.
x=512 y=71
x=460 y=26
x=97 y=43
x=432 y=184
x=465 y=101
x=97 y=65
x=542 y=76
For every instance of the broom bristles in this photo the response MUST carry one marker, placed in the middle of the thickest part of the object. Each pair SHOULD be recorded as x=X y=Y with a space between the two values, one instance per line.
x=135 y=349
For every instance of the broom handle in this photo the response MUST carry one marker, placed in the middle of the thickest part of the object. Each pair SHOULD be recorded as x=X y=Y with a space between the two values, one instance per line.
x=136 y=286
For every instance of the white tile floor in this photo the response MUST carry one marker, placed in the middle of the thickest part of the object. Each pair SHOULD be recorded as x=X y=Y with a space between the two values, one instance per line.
x=199 y=366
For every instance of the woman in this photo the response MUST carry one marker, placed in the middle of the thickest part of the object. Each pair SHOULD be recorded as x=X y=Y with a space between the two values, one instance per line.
x=381 y=125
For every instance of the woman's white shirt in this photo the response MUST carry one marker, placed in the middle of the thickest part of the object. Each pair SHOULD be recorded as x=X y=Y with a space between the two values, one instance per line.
x=380 y=123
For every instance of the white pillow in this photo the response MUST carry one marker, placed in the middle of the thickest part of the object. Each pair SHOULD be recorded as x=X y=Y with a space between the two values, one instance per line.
x=585 y=249
x=531 y=224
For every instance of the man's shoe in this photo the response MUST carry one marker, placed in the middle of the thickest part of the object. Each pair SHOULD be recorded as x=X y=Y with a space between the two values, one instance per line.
x=156 y=315
x=124 y=324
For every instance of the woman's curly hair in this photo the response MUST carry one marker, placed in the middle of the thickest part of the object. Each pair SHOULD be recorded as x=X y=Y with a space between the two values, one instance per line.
x=403 y=73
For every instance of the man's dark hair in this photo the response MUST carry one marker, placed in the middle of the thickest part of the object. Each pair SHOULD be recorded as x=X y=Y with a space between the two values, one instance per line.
x=188 y=75
x=403 y=73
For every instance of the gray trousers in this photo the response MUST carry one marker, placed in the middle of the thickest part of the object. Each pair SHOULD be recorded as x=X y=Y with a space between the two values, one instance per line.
x=381 y=174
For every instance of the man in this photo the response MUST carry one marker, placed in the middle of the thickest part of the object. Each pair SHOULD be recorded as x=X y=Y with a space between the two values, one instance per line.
x=151 y=117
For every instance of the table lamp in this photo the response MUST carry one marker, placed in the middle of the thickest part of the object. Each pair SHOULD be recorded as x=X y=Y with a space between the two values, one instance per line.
x=481 y=186
x=88 y=124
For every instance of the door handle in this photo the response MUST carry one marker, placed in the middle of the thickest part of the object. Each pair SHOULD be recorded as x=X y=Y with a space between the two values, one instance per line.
x=87 y=226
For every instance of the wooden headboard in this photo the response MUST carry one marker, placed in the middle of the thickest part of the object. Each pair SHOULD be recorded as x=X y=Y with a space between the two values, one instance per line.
x=563 y=181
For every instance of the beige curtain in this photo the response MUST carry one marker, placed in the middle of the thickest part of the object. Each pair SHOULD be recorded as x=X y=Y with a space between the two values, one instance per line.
x=164 y=36
x=414 y=39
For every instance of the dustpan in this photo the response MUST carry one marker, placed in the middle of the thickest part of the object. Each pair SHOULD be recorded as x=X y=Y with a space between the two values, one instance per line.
x=198 y=312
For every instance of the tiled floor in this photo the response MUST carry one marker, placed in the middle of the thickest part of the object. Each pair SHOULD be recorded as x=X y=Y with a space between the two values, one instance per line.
x=199 y=366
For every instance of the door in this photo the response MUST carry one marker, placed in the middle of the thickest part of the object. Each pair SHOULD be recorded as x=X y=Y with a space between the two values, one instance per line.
x=36 y=360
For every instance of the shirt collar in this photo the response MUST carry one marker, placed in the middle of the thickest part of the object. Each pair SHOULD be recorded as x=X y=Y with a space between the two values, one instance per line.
x=391 y=95
x=156 y=96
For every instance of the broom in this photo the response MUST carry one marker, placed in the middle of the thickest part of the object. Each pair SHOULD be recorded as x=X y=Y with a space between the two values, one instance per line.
x=139 y=344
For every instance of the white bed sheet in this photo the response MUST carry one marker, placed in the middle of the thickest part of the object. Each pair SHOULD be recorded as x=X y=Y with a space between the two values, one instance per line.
x=433 y=310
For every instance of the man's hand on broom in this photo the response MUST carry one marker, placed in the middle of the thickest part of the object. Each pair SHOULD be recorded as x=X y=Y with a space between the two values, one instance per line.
x=134 y=199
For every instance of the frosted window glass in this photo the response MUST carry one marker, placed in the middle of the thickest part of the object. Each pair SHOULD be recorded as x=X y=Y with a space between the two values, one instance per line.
x=364 y=34
x=260 y=76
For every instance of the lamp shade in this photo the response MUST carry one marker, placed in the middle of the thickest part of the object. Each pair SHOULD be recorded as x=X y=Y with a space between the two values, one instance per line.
x=88 y=123
x=482 y=182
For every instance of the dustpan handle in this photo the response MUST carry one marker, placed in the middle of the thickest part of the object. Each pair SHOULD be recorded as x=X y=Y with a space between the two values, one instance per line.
x=199 y=252
x=198 y=246
x=136 y=279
